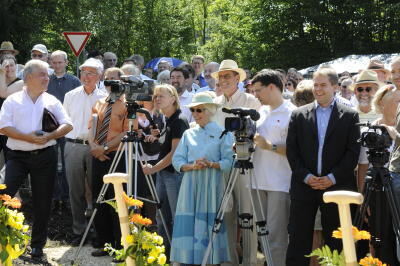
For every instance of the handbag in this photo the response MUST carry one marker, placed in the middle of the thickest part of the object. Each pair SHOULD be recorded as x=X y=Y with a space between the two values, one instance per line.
x=49 y=121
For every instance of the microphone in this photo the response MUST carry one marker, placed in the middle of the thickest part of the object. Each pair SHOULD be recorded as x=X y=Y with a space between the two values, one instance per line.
x=254 y=115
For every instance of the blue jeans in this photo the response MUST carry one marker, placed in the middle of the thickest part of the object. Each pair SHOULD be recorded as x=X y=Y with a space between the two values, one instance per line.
x=396 y=187
x=167 y=187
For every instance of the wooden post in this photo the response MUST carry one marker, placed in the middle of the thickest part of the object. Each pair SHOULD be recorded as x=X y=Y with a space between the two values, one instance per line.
x=343 y=199
x=117 y=179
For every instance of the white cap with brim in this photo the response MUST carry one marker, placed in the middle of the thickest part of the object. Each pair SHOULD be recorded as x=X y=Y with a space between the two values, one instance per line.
x=40 y=48
x=94 y=63
x=202 y=98
x=230 y=65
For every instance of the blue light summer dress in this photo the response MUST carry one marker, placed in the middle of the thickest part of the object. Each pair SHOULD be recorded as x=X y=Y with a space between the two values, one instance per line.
x=200 y=195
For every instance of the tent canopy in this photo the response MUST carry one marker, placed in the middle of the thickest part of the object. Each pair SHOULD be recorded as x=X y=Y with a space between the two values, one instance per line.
x=351 y=63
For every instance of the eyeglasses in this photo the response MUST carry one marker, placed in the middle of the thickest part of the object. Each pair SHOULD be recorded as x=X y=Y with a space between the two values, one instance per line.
x=288 y=84
x=361 y=89
x=36 y=55
x=344 y=86
x=109 y=60
x=87 y=73
x=198 y=110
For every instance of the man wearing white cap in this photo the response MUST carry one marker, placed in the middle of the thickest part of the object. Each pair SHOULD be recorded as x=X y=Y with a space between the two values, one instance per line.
x=78 y=103
x=39 y=51
x=229 y=75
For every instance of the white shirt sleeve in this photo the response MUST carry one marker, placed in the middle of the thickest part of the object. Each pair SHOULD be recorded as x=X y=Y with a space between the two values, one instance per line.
x=6 y=115
x=60 y=113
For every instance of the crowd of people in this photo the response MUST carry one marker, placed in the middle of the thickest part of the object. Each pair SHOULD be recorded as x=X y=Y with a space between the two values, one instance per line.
x=306 y=143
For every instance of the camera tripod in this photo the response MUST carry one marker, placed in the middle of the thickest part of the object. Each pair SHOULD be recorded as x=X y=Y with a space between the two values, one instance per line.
x=378 y=181
x=261 y=225
x=130 y=143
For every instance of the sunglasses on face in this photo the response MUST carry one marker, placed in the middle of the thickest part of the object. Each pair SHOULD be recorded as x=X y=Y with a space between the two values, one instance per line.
x=36 y=55
x=344 y=86
x=288 y=84
x=361 y=89
x=198 y=110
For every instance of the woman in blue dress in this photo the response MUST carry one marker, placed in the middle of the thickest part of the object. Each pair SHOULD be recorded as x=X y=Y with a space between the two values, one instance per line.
x=203 y=156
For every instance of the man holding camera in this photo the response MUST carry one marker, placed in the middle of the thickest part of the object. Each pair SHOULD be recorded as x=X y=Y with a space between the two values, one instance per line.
x=229 y=75
x=270 y=153
x=111 y=127
x=32 y=151
x=322 y=149
x=78 y=103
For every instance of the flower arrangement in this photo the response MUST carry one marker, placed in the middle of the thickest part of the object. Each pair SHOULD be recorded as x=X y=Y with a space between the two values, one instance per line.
x=329 y=258
x=13 y=232
x=144 y=247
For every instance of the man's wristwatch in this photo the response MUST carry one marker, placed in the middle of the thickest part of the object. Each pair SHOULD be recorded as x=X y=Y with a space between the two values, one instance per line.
x=105 y=147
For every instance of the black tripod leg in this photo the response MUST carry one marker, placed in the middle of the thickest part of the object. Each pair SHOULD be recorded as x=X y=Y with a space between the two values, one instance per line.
x=359 y=218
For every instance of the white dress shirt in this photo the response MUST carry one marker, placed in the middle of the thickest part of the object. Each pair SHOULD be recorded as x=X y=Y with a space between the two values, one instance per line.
x=238 y=100
x=21 y=113
x=78 y=105
x=272 y=170
x=185 y=99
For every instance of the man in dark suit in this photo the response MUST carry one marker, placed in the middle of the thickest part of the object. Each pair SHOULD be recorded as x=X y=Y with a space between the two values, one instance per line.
x=322 y=150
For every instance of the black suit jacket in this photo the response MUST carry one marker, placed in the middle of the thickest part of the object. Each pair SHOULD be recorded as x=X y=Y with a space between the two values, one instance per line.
x=340 y=152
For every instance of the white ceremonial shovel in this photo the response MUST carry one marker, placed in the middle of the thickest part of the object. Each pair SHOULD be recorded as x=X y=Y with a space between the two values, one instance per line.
x=117 y=179
x=343 y=199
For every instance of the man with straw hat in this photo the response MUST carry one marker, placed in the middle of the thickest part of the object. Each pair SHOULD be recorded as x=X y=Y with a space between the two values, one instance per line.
x=365 y=87
x=8 y=48
x=228 y=77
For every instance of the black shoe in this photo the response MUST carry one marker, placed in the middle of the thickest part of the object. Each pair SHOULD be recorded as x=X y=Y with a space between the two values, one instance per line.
x=76 y=240
x=37 y=252
x=99 y=253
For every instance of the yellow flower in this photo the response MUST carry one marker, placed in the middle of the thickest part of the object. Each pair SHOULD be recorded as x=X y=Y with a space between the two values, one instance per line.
x=146 y=246
x=154 y=253
x=158 y=239
x=138 y=219
x=3 y=186
x=161 y=259
x=371 y=261
x=132 y=202
x=151 y=259
x=129 y=239
x=357 y=235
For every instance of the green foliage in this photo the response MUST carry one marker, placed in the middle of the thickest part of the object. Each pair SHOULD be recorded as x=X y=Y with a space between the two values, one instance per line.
x=328 y=258
x=256 y=33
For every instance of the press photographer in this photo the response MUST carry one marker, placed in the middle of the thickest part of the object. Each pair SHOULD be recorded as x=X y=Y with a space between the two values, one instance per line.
x=228 y=77
x=383 y=238
x=270 y=153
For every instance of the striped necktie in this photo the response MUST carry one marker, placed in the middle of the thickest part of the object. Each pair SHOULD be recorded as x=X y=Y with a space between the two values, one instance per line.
x=103 y=130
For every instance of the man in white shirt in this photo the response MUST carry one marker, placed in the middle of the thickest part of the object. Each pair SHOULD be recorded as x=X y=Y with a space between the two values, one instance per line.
x=78 y=103
x=179 y=79
x=229 y=76
x=32 y=151
x=270 y=153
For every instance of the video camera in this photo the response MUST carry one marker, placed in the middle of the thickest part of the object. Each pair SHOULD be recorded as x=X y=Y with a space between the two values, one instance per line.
x=244 y=128
x=134 y=88
x=378 y=141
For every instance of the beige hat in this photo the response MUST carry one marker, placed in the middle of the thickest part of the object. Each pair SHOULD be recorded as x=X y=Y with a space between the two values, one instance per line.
x=8 y=46
x=367 y=76
x=376 y=64
x=202 y=98
x=230 y=65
